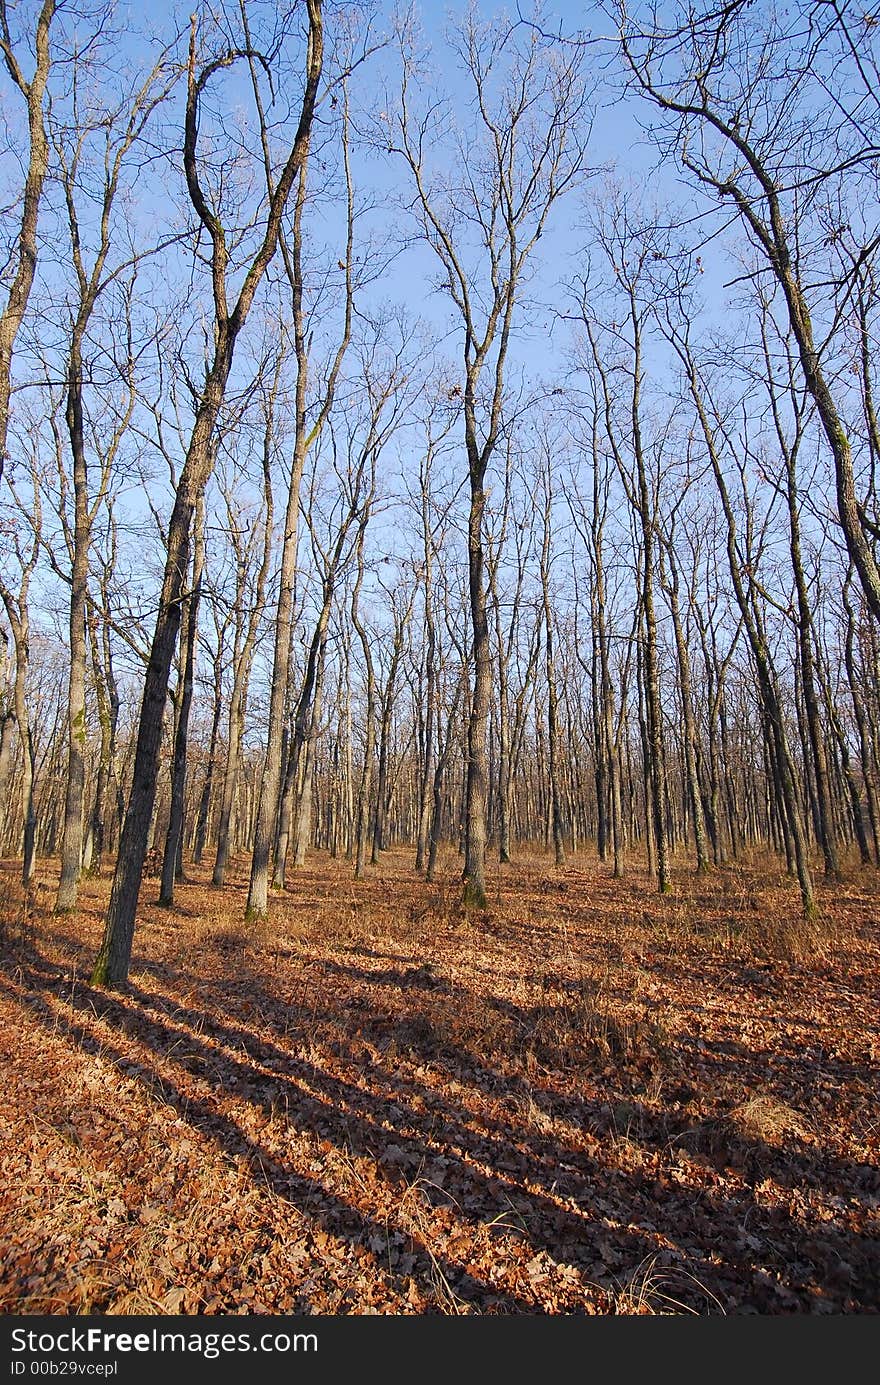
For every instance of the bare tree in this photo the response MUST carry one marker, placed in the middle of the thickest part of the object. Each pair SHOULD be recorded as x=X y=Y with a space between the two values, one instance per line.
x=111 y=966
x=715 y=435
x=108 y=702
x=247 y=610
x=91 y=183
x=438 y=423
x=629 y=245
x=528 y=95
x=591 y=521
x=16 y=601
x=554 y=768
x=516 y=518
x=670 y=580
x=172 y=860
x=307 y=432
x=7 y=725
x=770 y=112
x=23 y=259
x=362 y=805
x=789 y=445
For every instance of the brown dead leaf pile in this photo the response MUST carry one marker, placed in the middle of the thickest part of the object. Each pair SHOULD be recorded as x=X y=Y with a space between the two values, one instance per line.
x=587 y=1100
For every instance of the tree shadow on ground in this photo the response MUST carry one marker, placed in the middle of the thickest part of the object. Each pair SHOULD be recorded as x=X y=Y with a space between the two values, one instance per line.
x=427 y=1111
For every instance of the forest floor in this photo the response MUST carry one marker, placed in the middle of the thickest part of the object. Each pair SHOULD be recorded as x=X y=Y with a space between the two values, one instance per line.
x=586 y=1100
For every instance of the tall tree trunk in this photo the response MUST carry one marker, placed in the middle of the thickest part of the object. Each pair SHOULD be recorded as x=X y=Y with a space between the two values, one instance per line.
x=171 y=862
x=689 y=727
x=201 y=835
x=302 y=820
x=477 y=790
x=816 y=735
x=444 y=751
x=265 y=833
x=428 y=711
x=111 y=965
x=7 y=730
x=778 y=741
x=230 y=783
x=72 y=840
x=865 y=747
x=552 y=694
x=107 y=698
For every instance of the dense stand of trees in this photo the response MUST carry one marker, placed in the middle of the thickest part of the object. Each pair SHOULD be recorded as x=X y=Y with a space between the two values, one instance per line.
x=312 y=540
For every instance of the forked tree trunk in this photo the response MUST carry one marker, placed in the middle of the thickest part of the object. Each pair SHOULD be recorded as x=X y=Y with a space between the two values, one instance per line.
x=111 y=966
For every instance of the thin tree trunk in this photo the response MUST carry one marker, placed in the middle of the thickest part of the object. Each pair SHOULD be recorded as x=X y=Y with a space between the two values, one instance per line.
x=552 y=695
x=477 y=790
x=171 y=862
x=781 y=755
x=688 y=720
x=201 y=835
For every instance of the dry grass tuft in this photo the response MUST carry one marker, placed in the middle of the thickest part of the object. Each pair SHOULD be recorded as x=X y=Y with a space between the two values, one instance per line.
x=654 y=1290
x=765 y=1118
x=794 y=938
x=588 y=1021
x=231 y=937
x=762 y=1120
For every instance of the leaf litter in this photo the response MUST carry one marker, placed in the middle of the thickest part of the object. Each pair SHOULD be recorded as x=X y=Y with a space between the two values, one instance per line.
x=584 y=1100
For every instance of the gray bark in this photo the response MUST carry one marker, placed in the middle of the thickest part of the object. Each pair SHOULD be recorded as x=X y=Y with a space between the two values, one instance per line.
x=112 y=963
